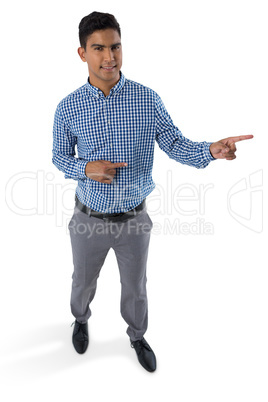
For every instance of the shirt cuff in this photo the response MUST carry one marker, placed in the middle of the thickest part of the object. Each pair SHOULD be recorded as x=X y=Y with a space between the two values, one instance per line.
x=81 y=166
x=207 y=153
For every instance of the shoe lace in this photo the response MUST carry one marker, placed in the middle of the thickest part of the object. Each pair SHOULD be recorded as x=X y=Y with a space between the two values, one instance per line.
x=79 y=326
x=140 y=344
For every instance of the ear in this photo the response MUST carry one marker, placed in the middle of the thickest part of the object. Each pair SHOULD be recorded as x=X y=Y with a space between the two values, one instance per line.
x=81 y=51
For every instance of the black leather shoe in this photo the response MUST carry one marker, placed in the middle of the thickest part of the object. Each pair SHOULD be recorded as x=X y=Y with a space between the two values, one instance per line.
x=145 y=354
x=80 y=337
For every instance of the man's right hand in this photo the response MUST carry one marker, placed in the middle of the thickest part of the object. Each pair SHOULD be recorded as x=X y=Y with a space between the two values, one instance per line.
x=102 y=171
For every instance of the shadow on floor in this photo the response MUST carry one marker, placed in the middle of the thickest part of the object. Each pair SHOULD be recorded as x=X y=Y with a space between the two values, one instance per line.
x=45 y=351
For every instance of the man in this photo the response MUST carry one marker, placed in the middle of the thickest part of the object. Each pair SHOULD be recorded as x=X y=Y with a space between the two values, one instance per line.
x=115 y=122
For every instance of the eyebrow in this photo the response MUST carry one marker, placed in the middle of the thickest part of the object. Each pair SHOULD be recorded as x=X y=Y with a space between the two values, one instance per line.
x=97 y=45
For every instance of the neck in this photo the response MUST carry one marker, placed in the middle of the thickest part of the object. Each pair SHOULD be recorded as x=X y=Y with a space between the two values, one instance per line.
x=104 y=87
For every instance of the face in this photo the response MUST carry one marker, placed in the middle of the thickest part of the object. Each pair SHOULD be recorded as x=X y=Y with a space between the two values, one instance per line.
x=103 y=56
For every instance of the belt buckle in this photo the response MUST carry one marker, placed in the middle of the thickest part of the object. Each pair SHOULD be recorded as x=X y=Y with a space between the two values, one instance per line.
x=108 y=217
x=112 y=217
x=105 y=218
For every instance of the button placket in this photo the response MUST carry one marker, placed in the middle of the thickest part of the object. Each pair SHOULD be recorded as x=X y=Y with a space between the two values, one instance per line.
x=108 y=122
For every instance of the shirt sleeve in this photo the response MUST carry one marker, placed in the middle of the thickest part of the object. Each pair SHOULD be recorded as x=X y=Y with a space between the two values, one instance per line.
x=64 y=150
x=175 y=145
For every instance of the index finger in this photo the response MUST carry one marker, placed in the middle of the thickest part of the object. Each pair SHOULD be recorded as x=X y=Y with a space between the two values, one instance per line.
x=240 y=138
x=118 y=165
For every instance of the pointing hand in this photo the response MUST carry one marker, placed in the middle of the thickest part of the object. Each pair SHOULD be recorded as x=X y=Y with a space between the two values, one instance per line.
x=102 y=171
x=225 y=149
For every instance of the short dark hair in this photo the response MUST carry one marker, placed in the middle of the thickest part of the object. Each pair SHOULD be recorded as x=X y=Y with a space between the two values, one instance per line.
x=94 y=22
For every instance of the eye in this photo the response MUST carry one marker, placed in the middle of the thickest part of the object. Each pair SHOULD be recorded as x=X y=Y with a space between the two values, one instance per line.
x=98 y=48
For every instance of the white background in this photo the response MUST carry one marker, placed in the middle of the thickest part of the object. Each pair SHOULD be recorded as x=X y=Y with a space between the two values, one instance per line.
x=207 y=291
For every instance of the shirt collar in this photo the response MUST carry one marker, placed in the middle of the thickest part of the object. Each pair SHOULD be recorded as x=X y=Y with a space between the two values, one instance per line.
x=116 y=89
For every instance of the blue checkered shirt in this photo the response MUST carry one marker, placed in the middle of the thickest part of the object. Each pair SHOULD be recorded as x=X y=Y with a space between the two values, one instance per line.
x=121 y=127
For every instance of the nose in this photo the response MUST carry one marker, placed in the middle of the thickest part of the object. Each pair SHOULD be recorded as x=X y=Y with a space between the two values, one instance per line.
x=109 y=55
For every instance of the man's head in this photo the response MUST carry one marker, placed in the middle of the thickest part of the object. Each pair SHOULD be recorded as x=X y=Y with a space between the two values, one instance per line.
x=100 y=40
x=96 y=22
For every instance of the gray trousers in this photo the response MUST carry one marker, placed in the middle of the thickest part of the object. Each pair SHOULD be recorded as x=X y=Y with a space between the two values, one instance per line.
x=91 y=239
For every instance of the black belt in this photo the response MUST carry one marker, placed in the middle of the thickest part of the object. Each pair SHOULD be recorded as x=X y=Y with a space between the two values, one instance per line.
x=117 y=217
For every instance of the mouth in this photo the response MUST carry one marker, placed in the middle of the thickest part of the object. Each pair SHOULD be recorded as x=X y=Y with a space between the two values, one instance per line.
x=108 y=68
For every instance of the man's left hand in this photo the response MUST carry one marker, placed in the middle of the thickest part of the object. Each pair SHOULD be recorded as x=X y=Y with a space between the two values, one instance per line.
x=225 y=149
